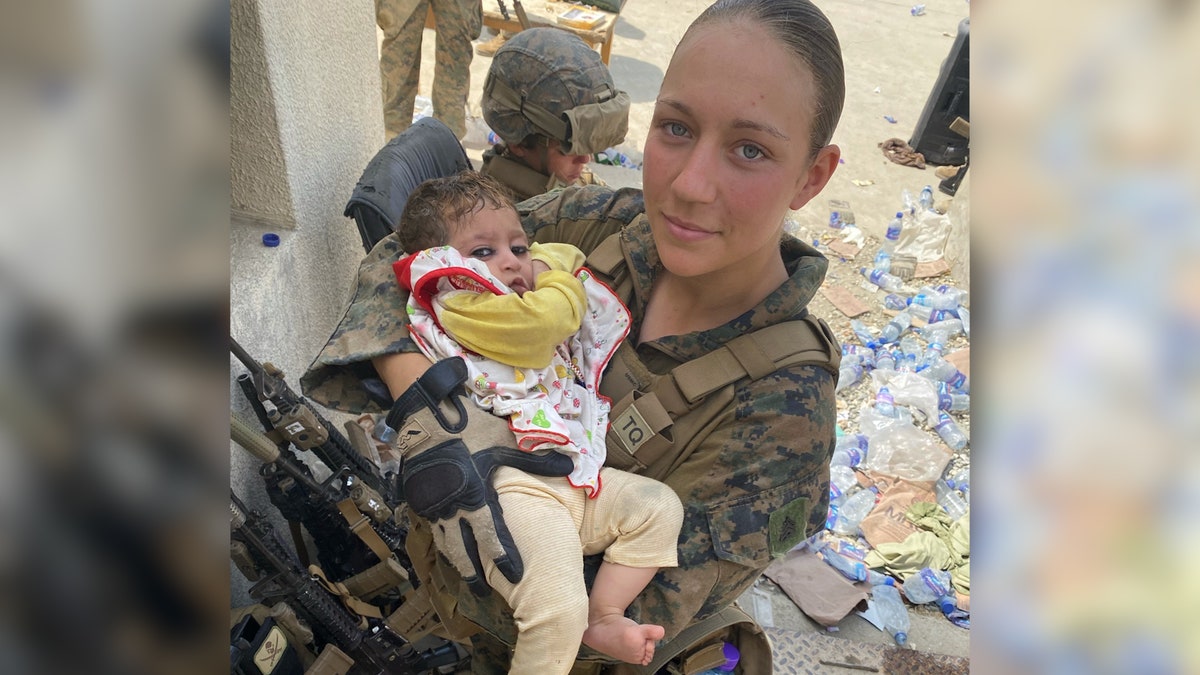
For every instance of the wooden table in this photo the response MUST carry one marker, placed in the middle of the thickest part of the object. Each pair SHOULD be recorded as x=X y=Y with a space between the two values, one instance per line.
x=545 y=13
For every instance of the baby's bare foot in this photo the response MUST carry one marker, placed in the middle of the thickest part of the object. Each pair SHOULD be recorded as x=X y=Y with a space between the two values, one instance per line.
x=623 y=638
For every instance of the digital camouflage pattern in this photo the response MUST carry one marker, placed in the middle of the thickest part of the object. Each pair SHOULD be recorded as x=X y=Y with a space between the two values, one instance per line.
x=403 y=24
x=755 y=485
x=550 y=68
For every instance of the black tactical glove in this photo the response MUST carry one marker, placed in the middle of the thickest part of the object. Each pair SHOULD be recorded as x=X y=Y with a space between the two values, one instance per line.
x=450 y=448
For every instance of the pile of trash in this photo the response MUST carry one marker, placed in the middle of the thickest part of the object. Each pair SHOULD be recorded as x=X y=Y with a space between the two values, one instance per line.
x=899 y=516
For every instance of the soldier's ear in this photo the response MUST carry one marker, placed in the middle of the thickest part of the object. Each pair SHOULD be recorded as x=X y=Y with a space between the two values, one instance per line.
x=816 y=176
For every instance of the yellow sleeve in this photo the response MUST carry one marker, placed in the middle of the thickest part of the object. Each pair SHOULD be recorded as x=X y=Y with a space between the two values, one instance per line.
x=561 y=257
x=521 y=331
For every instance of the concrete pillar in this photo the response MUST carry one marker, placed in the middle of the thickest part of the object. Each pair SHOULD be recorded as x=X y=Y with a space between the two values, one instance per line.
x=305 y=120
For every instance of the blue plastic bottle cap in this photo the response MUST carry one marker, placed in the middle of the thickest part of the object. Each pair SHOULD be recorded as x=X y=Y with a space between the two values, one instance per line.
x=901 y=639
x=270 y=239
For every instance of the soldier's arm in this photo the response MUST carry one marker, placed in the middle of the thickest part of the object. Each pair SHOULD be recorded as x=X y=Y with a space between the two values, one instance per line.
x=375 y=325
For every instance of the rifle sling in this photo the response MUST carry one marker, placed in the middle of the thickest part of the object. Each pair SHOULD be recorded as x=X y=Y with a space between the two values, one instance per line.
x=360 y=525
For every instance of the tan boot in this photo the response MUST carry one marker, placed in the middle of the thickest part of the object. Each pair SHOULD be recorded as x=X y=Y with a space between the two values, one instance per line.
x=945 y=172
x=489 y=48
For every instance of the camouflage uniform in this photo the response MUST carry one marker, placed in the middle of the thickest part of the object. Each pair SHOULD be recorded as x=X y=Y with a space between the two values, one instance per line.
x=753 y=487
x=403 y=24
x=521 y=180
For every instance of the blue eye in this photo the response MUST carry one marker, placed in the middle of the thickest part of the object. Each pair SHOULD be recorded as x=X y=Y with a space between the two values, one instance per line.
x=750 y=151
x=675 y=129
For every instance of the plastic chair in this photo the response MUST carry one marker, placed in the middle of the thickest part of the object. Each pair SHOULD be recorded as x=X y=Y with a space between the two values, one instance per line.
x=427 y=149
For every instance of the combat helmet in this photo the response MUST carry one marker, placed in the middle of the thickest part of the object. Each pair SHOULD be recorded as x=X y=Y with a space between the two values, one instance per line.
x=548 y=81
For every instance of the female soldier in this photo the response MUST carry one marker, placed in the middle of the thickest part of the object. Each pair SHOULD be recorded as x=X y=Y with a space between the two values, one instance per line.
x=552 y=101
x=740 y=134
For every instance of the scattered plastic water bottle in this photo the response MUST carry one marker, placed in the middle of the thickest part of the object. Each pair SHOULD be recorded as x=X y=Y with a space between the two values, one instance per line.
x=927 y=192
x=885 y=404
x=930 y=315
x=884 y=360
x=888 y=282
x=896 y=302
x=917 y=10
x=849 y=373
x=944 y=371
x=950 y=432
x=892 y=612
x=955 y=505
x=862 y=354
x=935 y=300
x=850 y=450
x=941 y=331
x=732 y=656
x=965 y=315
x=479 y=135
x=933 y=351
x=897 y=325
x=891 y=236
x=953 y=402
x=959 y=294
x=852 y=510
x=930 y=585
x=961 y=480
x=882 y=261
x=841 y=480
x=863 y=333
x=910 y=345
x=854 y=570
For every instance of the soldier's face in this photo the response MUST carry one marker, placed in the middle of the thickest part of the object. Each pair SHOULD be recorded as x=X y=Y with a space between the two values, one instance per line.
x=495 y=236
x=550 y=160
x=727 y=151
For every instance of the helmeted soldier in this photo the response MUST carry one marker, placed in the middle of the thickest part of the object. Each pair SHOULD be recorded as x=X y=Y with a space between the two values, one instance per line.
x=552 y=101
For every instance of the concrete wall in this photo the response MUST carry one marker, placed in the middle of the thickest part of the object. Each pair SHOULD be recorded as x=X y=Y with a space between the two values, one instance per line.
x=306 y=118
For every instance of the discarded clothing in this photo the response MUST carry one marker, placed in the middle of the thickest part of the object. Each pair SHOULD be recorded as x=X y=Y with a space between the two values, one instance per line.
x=902 y=153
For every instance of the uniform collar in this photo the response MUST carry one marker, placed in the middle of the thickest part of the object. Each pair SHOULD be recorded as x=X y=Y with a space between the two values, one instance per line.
x=806 y=270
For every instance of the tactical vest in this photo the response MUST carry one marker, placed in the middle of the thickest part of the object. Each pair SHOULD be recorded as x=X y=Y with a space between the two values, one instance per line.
x=655 y=423
x=656 y=417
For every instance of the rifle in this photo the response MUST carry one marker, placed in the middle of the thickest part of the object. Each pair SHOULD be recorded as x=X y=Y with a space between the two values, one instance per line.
x=349 y=544
x=522 y=18
x=374 y=647
x=290 y=419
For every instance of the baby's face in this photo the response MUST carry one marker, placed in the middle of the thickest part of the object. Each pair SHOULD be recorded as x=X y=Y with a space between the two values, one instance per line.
x=495 y=237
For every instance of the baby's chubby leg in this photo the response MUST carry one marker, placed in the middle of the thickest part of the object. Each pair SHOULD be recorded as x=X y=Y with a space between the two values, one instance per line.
x=609 y=631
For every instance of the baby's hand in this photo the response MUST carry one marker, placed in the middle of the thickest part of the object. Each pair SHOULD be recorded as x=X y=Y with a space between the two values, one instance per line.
x=539 y=267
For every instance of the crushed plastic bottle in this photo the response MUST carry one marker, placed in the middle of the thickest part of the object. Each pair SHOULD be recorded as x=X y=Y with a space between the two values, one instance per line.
x=892 y=612
x=893 y=301
x=917 y=10
x=965 y=315
x=849 y=373
x=895 y=327
x=944 y=371
x=933 y=351
x=960 y=480
x=863 y=333
x=850 y=450
x=950 y=432
x=959 y=294
x=955 y=505
x=888 y=282
x=862 y=354
x=953 y=402
x=885 y=360
x=884 y=403
x=935 y=300
x=854 y=570
x=942 y=331
x=929 y=585
x=853 y=509
x=841 y=480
